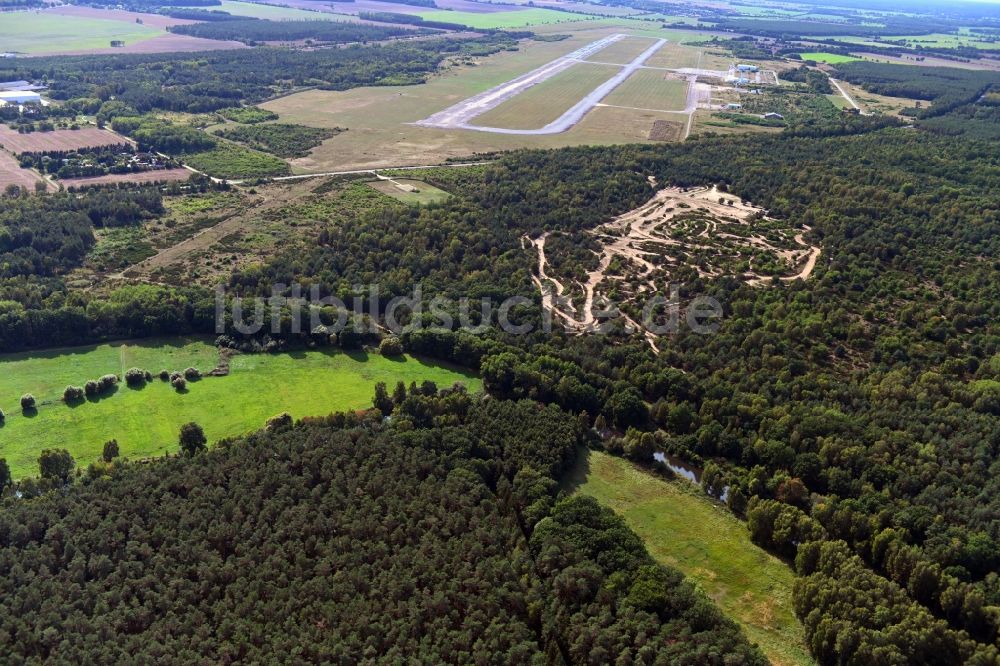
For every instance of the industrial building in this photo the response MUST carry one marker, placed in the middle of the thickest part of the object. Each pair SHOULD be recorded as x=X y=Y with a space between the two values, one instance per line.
x=20 y=97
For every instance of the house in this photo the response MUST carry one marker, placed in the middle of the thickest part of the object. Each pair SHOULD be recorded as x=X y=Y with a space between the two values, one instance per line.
x=20 y=97
x=773 y=116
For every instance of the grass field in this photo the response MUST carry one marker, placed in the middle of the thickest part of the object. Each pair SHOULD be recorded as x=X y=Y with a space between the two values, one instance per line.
x=684 y=529
x=146 y=421
x=273 y=12
x=380 y=118
x=829 y=58
x=623 y=51
x=650 y=89
x=421 y=195
x=512 y=19
x=43 y=32
x=548 y=100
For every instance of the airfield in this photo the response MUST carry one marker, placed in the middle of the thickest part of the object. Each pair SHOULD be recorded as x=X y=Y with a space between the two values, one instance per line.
x=599 y=85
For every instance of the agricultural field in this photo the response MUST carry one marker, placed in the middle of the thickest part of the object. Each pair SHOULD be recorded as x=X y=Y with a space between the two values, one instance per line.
x=521 y=18
x=409 y=191
x=548 y=100
x=685 y=529
x=57 y=140
x=156 y=176
x=145 y=421
x=11 y=173
x=272 y=12
x=828 y=58
x=38 y=33
x=650 y=89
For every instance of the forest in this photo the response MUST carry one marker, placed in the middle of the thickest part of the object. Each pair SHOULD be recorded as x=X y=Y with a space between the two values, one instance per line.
x=438 y=536
x=853 y=418
x=252 y=31
x=203 y=82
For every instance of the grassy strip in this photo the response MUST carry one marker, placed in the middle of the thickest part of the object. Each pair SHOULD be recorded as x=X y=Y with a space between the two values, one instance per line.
x=684 y=529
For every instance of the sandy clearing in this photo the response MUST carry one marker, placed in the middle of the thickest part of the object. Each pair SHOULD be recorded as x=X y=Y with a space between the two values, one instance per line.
x=675 y=227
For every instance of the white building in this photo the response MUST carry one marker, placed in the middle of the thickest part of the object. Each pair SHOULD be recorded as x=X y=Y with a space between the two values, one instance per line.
x=20 y=97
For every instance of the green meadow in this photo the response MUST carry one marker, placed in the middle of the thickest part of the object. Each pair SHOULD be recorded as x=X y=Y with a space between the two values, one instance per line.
x=829 y=58
x=44 y=32
x=274 y=12
x=684 y=529
x=494 y=20
x=146 y=421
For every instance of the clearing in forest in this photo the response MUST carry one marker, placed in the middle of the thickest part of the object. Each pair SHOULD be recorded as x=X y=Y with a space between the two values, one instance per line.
x=146 y=420
x=679 y=234
x=684 y=529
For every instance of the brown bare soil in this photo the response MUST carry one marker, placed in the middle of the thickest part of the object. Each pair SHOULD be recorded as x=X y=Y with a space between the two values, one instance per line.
x=665 y=130
x=11 y=173
x=152 y=20
x=88 y=137
x=159 y=176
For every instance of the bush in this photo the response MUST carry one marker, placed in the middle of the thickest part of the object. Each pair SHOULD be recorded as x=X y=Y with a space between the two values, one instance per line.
x=110 y=450
x=91 y=388
x=192 y=438
x=135 y=377
x=192 y=374
x=27 y=402
x=282 y=420
x=164 y=375
x=106 y=383
x=73 y=394
x=390 y=346
x=179 y=383
x=3 y=417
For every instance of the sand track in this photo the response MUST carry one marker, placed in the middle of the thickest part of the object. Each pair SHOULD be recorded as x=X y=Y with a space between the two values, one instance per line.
x=705 y=229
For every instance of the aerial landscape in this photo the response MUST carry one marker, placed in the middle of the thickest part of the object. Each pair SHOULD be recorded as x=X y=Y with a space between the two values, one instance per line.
x=500 y=332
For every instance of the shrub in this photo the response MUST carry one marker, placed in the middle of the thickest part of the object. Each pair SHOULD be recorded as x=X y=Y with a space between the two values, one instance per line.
x=27 y=402
x=73 y=394
x=192 y=438
x=192 y=374
x=390 y=346
x=135 y=377
x=3 y=417
x=106 y=383
x=164 y=375
x=282 y=420
x=91 y=388
x=179 y=383
x=110 y=450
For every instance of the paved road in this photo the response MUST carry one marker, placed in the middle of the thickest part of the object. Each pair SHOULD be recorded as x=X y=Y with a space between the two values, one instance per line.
x=580 y=109
x=459 y=114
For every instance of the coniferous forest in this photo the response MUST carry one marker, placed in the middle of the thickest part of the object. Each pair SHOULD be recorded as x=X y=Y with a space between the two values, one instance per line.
x=847 y=419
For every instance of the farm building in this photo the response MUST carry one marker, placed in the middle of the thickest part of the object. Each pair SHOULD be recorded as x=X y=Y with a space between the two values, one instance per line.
x=773 y=116
x=734 y=106
x=746 y=68
x=20 y=97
